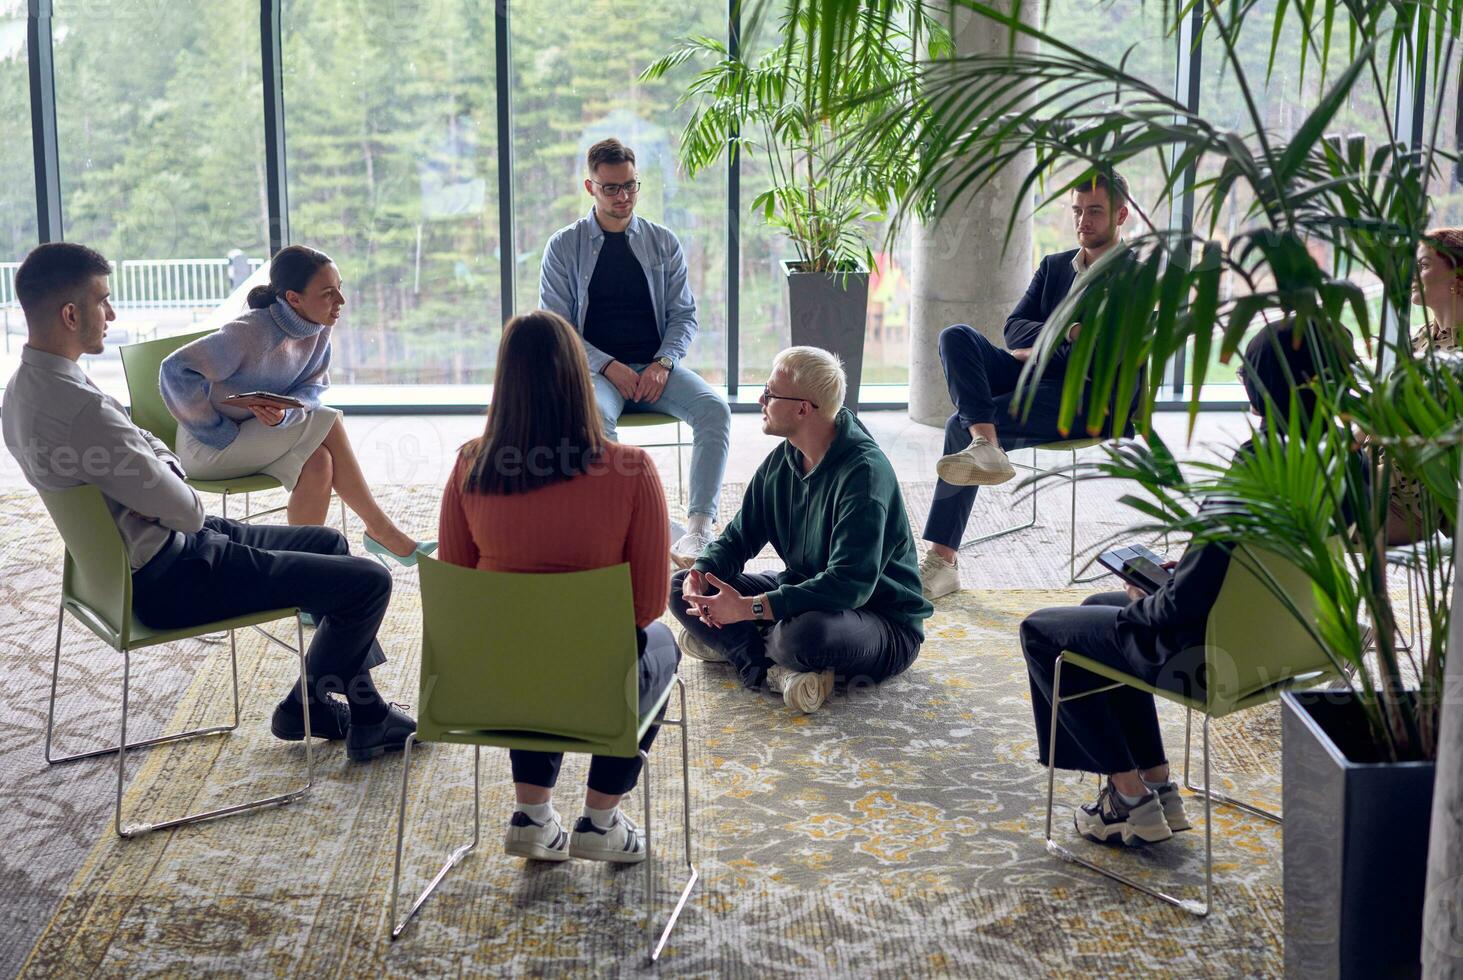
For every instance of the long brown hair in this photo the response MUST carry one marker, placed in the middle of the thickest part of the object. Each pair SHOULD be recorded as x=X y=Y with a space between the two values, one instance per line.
x=543 y=426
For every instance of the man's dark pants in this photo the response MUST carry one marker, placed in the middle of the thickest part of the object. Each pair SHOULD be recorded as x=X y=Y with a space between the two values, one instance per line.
x=855 y=644
x=232 y=569
x=1116 y=731
x=613 y=775
x=982 y=382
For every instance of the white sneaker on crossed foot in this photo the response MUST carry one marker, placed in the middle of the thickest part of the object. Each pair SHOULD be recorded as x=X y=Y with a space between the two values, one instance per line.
x=980 y=464
x=801 y=691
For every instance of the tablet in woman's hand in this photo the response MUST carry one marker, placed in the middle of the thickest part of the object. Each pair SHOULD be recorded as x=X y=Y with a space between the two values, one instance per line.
x=265 y=399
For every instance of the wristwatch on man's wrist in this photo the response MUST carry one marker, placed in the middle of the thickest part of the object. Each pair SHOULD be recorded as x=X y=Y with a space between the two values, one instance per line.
x=665 y=362
x=758 y=607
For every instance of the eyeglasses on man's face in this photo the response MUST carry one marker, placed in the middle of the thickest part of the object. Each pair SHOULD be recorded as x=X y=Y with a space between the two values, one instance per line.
x=767 y=395
x=615 y=190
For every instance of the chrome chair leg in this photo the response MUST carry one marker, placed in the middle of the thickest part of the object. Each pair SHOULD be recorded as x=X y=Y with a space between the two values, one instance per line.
x=1057 y=850
x=680 y=466
x=656 y=947
x=52 y=759
x=397 y=926
x=1072 y=575
x=1031 y=522
x=1204 y=790
x=279 y=799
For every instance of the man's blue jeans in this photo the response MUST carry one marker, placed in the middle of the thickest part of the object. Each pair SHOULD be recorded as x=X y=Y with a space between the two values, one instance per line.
x=694 y=402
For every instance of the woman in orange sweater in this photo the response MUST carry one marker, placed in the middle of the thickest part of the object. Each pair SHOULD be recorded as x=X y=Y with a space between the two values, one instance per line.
x=543 y=491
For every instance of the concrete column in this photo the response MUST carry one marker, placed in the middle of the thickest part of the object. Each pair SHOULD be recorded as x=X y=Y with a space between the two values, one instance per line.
x=965 y=270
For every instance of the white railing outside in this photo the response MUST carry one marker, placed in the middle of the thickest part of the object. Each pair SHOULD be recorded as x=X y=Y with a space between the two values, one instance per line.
x=155 y=284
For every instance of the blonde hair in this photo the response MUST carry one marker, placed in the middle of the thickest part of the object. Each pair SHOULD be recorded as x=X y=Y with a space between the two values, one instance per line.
x=816 y=373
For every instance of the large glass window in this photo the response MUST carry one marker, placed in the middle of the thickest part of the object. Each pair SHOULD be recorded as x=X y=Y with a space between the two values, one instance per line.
x=17 y=173
x=1136 y=35
x=392 y=161
x=576 y=80
x=160 y=128
x=1284 y=99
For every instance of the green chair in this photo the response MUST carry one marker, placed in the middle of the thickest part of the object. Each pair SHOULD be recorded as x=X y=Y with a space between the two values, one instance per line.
x=641 y=420
x=1068 y=446
x=142 y=365
x=1255 y=648
x=96 y=589
x=488 y=640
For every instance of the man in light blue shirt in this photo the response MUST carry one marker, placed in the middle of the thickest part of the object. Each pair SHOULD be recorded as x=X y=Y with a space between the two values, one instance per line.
x=621 y=281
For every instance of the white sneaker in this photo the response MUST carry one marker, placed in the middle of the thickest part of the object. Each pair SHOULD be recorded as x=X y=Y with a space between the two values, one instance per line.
x=621 y=843
x=689 y=546
x=1110 y=817
x=980 y=464
x=527 y=838
x=1173 y=807
x=698 y=649
x=937 y=577
x=801 y=691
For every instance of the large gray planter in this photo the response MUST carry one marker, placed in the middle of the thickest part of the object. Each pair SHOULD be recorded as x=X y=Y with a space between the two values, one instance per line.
x=828 y=310
x=1355 y=844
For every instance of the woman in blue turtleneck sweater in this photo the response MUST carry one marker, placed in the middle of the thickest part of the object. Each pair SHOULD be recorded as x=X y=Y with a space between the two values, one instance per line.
x=282 y=346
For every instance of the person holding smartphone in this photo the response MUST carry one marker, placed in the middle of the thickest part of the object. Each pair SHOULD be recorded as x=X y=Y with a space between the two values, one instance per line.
x=1158 y=637
x=219 y=387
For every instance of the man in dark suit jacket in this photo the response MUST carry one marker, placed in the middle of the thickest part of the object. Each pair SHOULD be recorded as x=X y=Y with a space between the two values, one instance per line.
x=982 y=381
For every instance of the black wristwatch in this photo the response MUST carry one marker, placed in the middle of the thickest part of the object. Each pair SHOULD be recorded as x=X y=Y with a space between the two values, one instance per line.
x=666 y=363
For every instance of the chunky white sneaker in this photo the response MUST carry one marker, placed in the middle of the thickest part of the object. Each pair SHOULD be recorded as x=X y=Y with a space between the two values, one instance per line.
x=698 y=649
x=621 y=843
x=937 y=577
x=980 y=464
x=1110 y=817
x=801 y=691
x=688 y=547
x=527 y=838
x=1173 y=807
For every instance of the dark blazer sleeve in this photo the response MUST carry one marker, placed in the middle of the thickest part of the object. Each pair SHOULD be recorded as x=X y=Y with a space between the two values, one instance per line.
x=1027 y=319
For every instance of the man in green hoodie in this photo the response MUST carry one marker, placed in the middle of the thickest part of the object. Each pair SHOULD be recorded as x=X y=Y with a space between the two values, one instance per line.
x=849 y=602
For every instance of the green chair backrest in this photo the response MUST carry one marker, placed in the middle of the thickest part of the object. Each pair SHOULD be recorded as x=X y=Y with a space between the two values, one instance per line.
x=97 y=580
x=553 y=655
x=142 y=365
x=1254 y=642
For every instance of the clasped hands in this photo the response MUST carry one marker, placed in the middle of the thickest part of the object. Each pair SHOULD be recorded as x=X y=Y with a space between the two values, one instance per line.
x=647 y=386
x=725 y=607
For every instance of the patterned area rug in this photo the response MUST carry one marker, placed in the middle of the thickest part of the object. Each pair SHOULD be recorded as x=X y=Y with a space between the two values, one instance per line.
x=895 y=833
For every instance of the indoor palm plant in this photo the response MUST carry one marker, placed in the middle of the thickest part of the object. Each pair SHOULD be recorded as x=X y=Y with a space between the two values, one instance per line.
x=766 y=103
x=1322 y=216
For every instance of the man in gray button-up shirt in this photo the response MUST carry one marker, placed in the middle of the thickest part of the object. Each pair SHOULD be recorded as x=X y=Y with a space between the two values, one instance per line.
x=188 y=569
x=620 y=281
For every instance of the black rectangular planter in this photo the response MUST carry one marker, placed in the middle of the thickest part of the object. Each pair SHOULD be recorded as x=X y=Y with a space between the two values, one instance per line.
x=829 y=310
x=1355 y=845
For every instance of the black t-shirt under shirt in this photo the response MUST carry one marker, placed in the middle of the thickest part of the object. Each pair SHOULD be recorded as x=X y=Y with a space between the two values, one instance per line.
x=620 y=318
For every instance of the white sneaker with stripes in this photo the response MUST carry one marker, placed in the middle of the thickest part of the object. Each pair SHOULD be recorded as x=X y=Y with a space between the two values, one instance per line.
x=620 y=843
x=527 y=838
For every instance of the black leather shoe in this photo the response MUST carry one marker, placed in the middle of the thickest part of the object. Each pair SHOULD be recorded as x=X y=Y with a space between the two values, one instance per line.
x=329 y=719
x=365 y=742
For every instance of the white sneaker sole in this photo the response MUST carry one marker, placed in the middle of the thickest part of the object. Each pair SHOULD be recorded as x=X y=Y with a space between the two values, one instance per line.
x=697 y=649
x=944 y=590
x=958 y=470
x=683 y=561
x=533 y=851
x=610 y=857
x=809 y=692
x=1125 y=831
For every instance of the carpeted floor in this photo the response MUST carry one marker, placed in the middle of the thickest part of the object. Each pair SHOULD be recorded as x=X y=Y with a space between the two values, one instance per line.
x=895 y=833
